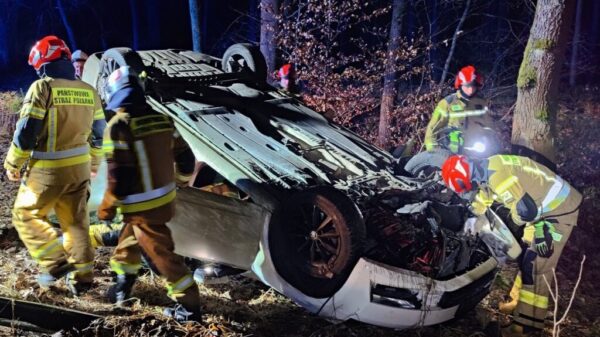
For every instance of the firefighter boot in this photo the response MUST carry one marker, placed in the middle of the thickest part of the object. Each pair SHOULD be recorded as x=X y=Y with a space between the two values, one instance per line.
x=182 y=315
x=507 y=308
x=77 y=288
x=49 y=278
x=120 y=291
x=517 y=330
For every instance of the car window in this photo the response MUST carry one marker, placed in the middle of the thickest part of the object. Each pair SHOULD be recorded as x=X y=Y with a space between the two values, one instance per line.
x=207 y=179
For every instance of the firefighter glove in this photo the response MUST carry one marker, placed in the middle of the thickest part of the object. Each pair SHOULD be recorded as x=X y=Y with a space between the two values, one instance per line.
x=543 y=238
x=13 y=175
x=455 y=141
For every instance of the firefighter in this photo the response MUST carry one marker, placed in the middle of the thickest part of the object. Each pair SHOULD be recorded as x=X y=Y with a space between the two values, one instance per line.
x=287 y=78
x=538 y=199
x=61 y=124
x=146 y=159
x=458 y=111
x=78 y=60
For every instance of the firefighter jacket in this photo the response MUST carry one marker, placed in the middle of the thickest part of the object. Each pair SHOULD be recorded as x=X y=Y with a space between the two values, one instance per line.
x=145 y=157
x=529 y=190
x=456 y=111
x=60 y=125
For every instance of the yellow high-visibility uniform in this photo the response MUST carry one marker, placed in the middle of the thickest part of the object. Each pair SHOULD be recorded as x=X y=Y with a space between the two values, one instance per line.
x=531 y=192
x=60 y=132
x=456 y=111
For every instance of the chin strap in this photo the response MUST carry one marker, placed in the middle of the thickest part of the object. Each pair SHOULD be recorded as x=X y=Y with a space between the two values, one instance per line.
x=42 y=72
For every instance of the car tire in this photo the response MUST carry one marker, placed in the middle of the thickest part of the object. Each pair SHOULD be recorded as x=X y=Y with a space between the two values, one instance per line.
x=426 y=162
x=315 y=239
x=114 y=58
x=245 y=57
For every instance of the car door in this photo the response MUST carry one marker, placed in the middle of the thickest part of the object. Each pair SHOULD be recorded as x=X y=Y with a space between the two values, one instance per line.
x=213 y=227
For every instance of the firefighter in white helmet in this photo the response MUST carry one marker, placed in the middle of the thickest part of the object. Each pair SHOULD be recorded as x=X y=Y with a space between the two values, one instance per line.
x=78 y=59
x=146 y=160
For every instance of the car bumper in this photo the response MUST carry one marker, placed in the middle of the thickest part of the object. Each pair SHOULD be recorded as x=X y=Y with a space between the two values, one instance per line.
x=391 y=297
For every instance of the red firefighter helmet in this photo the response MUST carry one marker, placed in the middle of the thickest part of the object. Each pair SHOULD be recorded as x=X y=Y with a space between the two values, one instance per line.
x=456 y=173
x=468 y=75
x=46 y=50
x=285 y=71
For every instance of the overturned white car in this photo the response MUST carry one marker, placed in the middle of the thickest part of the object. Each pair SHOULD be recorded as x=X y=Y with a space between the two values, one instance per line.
x=310 y=208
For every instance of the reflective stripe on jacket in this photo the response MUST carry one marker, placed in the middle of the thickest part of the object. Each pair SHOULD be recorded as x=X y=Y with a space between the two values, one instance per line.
x=142 y=155
x=530 y=190
x=456 y=111
x=61 y=124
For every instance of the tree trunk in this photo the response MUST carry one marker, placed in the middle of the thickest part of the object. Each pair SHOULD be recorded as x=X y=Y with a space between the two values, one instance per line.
x=135 y=38
x=65 y=21
x=195 y=23
x=457 y=32
x=269 y=9
x=535 y=113
x=576 y=38
x=389 y=81
x=206 y=13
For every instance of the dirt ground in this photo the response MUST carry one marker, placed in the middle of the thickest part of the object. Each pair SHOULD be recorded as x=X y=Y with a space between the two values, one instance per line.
x=244 y=307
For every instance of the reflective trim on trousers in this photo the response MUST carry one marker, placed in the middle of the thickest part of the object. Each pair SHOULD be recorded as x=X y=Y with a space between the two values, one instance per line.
x=533 y=299
x=125 y=268
x=47 y=249
x=180 y=285
x=77 y=151
x=84 y=268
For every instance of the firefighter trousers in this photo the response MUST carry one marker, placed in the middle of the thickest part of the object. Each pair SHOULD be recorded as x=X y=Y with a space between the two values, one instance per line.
x=33 y=203
x=533 y=302
x=155 y=241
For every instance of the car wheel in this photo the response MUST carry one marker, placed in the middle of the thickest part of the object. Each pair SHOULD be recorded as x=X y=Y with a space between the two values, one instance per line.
x=315 y=239
x=426 y=162
x=114 y=58
x=245 y=57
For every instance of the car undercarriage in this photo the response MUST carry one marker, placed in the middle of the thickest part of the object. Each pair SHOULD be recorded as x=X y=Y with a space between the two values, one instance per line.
x=309 y=207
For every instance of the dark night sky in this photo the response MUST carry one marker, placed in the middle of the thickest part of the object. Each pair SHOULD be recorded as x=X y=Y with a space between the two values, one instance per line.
x=99 y=25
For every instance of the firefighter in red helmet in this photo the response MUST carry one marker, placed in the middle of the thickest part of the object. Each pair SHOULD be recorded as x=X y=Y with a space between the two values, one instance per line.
x=59 y=134
x=287 y=77
x=459 y=111
x=538 y=199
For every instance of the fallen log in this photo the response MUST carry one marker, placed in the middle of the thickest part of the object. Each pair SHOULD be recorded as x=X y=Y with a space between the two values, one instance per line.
x=43 y=316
